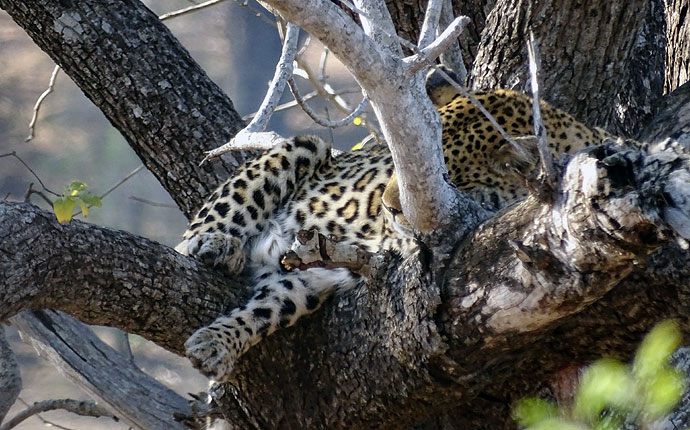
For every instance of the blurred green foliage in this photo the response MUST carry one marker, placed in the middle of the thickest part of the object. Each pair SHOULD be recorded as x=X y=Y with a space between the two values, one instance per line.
x=611 y=394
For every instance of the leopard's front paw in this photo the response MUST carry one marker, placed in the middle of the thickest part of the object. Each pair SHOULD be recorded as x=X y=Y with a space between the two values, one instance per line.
x=218 y=250
x=210 y=354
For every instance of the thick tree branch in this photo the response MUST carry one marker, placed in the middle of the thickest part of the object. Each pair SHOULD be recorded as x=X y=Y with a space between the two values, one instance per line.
x=409 y=122
x=439 y=334
x=10 y=379
x=128 y=393
x=446 y=338
x=106 y=277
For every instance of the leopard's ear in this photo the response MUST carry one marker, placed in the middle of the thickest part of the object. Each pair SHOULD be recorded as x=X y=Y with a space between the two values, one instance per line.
x=439 y=90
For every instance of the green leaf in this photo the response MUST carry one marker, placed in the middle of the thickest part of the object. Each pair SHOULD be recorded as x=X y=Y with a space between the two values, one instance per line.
x=557 y=424
x=655 y=350
x=84 y=208
x=605 y=383
x=90 y=199
x=610 y=421
x=532 y=411
x=663 y=393
x=74 y=187
x=63 y=207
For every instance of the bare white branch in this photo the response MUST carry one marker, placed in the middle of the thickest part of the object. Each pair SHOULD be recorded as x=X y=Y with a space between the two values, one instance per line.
x=430 y=25
x=322 y=121
x=539 y=129
x=183 y=11
x=39 y=102
x=408 y=121
x=83 y=408
x=282 y=74
x=243 y=139
x=452 y=56
x=378 y=24
x=427 y=55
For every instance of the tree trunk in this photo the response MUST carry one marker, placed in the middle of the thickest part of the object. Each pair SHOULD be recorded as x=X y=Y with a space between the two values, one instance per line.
x=147 y=85
x=678 y=49
x=432 y=341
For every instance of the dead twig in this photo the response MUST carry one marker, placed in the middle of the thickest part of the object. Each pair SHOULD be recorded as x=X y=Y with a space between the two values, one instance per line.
x=82 y=408
x=548 y=171
x=39 y=102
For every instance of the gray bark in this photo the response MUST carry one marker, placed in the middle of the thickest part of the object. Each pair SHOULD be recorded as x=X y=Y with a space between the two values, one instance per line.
x=139 y=400
x=678 y=49
x=10 y=379
x=440 y=328
x=601 y=61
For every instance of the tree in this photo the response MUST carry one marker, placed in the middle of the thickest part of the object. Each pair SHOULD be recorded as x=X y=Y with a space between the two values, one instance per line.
x=445 y=339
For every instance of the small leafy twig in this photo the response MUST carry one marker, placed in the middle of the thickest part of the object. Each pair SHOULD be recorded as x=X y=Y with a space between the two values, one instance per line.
x=110 y=190
x=75 y=193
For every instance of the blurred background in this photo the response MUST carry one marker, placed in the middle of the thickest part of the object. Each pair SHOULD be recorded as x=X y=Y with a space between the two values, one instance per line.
x=238 y=46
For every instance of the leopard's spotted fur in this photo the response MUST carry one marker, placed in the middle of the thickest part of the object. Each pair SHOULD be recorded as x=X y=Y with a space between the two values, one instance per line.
x=250 y=221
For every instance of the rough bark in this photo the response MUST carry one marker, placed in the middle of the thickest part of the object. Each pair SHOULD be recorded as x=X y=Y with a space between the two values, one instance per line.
x=601 y=61
x=673 y=118
x=401 y=329
x=678 y=48
x=147 y=85
x=107 y=277
x=10 y=379
x=97 y=368
x=438 y=328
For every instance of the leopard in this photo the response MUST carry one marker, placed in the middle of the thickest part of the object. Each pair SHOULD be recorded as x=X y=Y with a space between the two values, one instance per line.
x=250 y=222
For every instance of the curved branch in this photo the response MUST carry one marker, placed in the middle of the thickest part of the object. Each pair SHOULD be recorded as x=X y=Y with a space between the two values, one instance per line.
x=139 y=400
x=107 y=277
x=77 y=407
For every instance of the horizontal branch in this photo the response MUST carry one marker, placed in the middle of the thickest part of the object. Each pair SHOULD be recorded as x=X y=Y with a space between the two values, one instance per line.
x=108 y=277
x=434 y=337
